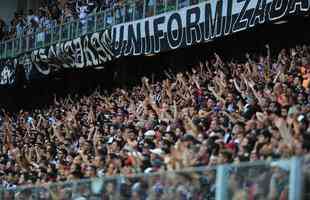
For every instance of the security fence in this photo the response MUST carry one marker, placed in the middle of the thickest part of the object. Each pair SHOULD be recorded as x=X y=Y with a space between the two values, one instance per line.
x=261 y=180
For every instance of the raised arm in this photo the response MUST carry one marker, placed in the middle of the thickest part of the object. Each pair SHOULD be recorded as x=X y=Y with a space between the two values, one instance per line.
x=268 y=61
x=251 y=67
x=217 y=95
x=251 y=85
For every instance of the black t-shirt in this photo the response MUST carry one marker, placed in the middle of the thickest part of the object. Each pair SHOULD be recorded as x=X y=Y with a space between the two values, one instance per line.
x=249 y=111
x=56 y=13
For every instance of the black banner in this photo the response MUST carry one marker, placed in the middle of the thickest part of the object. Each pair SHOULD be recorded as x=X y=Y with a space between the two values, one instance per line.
x=199 y=23
x=91 y=50
x=87 y=51
x=176 y=29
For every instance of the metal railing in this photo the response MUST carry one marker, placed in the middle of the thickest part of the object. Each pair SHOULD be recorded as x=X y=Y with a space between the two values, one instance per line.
x=284 y=179
x=100 y=21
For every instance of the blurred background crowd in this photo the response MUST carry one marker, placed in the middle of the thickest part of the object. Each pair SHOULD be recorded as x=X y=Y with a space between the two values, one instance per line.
x=50 y=14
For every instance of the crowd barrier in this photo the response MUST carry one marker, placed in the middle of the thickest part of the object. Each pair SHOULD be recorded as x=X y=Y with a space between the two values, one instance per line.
x=130 y=11
x=261 y=180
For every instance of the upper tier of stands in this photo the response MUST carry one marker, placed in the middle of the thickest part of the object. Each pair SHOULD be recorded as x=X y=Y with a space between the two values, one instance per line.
x=36 y=31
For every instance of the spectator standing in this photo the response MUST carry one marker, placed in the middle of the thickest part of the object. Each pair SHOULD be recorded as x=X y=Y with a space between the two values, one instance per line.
x=2 y=29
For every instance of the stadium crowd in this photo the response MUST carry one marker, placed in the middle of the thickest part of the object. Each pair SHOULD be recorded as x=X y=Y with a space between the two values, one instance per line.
x=216 y=113
x=50 y=14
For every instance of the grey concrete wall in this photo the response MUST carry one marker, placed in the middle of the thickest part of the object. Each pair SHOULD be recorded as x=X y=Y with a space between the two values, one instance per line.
x=7 y=9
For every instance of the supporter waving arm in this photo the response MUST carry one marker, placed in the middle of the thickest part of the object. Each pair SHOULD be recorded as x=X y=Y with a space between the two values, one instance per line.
x=237 y=87
x=215 y=94
x=251 y=67
x=218 y=63
x=95 y=140
x=251 y=85
x=268 y=62
x=56 y=133
x=234 y=118
x=55 y=100
x=285 y=131
x=146 y=85
x=175 y=110
x=7 y=131
x=169 y=74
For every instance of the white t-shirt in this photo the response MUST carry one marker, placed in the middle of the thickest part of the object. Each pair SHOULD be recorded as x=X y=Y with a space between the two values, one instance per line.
x=32 y=17
x=83 y=12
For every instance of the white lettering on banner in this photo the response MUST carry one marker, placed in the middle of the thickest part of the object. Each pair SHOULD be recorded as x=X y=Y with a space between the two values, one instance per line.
x=105 y=41
x=69 y=58
x=174 y=39
x=95 y=42
x=241 y=21
x=278 y=9
x=259 y=13
x=198 y=23
x=6 y=76
x=303 y=5
x=26 y=60
x=194 y=33
x=86 y=51
x=7 y=73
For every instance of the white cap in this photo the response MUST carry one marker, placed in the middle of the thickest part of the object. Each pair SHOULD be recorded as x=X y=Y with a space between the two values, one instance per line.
x=110 y=140
x=148 y=170
x=149 y=133
x=80 y=198
x=157 y=151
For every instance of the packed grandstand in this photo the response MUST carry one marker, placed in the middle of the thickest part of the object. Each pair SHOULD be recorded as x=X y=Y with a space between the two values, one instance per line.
x=218 y=129
x=50 y=14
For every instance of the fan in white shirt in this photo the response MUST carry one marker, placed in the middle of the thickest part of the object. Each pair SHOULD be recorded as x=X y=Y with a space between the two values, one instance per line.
x=82 y=10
